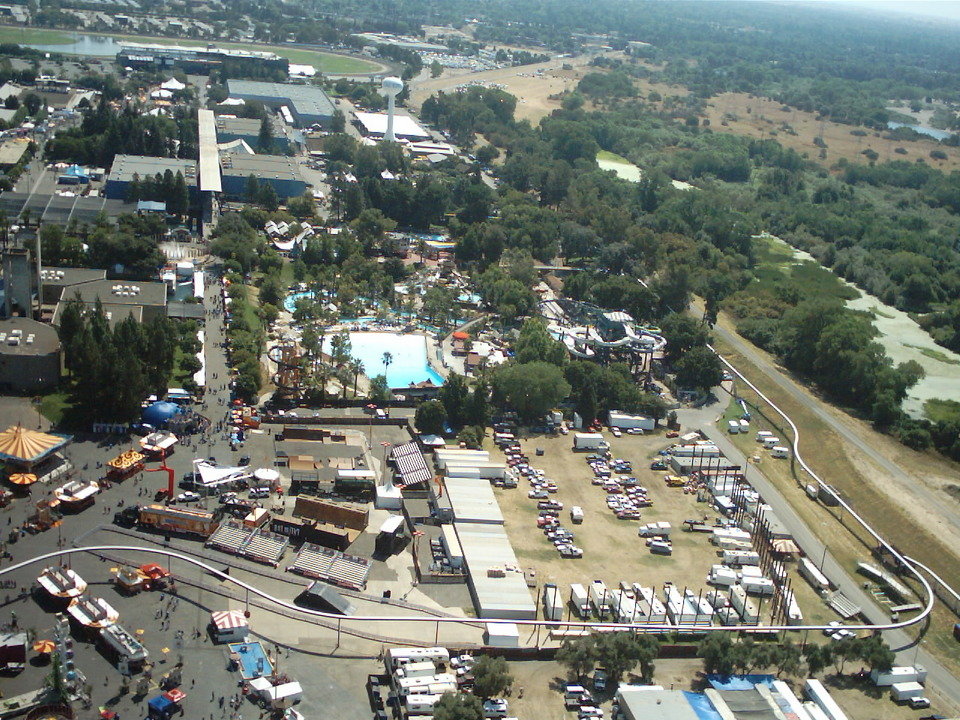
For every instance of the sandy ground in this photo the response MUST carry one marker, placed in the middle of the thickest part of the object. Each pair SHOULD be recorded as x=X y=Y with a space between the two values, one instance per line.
x=531 y=84
x=766 y=117
x=612 y=550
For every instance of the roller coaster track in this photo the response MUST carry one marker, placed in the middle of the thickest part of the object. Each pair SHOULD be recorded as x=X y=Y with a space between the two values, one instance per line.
x=912 y=565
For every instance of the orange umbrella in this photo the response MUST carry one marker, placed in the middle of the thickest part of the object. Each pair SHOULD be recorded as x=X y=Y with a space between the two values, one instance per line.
x=460 y=335
x=23 y=478
x=44 y=647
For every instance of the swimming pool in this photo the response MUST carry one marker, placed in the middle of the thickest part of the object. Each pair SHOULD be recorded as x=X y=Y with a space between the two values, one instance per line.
x=290 y=302
x=253 y=660
x=409 y=351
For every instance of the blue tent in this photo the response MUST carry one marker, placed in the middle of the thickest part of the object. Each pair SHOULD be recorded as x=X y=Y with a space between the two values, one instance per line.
x=159 y=413
x=161 y=707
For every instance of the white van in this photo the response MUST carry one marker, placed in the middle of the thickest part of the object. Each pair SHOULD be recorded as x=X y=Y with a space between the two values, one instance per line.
x=763 y=435
x=733 y=427
x=771 y=442
x=778 y=451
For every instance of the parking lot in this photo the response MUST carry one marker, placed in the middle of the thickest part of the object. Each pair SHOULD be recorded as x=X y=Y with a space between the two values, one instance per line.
x=612 y=550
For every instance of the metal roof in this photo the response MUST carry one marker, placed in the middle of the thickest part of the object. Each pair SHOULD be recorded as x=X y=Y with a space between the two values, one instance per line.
x=209 y=153
x=264 y=167
x=472 y=500
x=486 y=547
x=410 y=464
x=302 y=99
x=125 y=167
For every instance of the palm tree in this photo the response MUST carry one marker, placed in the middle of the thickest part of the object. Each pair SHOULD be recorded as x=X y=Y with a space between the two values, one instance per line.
x=387 y=361
x=356 y=367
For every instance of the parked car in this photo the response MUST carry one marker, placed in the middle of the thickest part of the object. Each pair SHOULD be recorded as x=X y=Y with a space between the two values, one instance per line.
x=256 y=493
x=494 y=708
x=658 y=465
x=615 y=431
x=672 y=434
x=186 y=497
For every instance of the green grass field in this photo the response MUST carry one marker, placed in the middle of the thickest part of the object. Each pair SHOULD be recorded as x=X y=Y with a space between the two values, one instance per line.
x=942 y=410
x=325 y=62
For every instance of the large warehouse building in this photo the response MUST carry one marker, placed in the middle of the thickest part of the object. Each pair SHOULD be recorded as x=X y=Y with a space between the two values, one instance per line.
x=308 y=104
x=29 y=356
x=127 y=167
x=281 y=173
x=197 y=59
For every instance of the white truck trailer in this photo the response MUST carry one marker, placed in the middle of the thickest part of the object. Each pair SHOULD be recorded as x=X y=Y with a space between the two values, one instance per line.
x=580 y=600
x=617 y=419
x=811 y=573
x=744 y=605
x=586 y=442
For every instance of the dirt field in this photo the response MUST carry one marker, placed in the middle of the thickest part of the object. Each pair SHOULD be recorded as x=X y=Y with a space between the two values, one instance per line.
x=612 y=551
x=531 y=84
x=763 y=118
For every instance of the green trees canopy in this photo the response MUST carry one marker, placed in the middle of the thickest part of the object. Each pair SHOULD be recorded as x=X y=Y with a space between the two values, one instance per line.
x=531 y=388
x=431 y=417
x=700 y=368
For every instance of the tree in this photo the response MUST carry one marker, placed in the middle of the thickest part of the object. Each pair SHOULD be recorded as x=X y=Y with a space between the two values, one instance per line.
x=436 y=69
x=379 y=392
x=265 y=138
x=578 y=655
x=817 y=658
x=338 y=122
x=786 y=658
x=716 y=651
x=536 y=344
x=431 y=417
x=531 y=389
x=700 y=368
x=458 y=706
x=491 y=677
x=875 y=652
x=454 y=395
x=478 y=406
x=682 y=333
x=370 y=227
x=356 y=367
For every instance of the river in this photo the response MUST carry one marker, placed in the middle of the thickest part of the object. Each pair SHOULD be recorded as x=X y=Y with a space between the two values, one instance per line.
x=903 y=339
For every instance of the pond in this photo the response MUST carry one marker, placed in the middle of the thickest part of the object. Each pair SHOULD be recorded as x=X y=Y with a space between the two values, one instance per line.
x=85 y=45
x=922 y=129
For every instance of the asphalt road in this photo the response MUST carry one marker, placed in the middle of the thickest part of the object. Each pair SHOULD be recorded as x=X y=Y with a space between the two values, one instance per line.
x=903 y=641
x=929 y=498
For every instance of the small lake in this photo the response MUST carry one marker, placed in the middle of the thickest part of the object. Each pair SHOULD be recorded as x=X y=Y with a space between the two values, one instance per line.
x=923 y=130
x=624 y=169
x=85 y=45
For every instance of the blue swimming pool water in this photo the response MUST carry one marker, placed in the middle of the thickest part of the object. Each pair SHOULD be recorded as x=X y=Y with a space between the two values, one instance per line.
x=409 y=353
x=251 y=655
x=290 y=303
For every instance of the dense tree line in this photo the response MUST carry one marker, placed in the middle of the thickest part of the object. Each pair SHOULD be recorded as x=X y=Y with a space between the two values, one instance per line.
x=114 y=368
x=104 y=133
x=166 y=187
x=128 y=249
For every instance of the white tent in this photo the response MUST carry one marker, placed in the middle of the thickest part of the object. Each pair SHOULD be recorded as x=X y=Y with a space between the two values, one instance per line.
x=173 y=84
x=212 y=475
x=161 y=94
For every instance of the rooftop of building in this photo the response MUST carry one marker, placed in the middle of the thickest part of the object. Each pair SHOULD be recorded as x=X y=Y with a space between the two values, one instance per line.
x=264 y=167
x=125 y=167
x=23 y=336
x=304 y=99
x=116 y=292
x=12 y=150
x=64 y=276
x=146 y=48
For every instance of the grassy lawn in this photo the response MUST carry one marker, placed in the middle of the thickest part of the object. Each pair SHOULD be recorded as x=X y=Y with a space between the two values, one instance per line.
x=325 y=62
x=54 y=405
x=36 y=36
x=939 y=409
